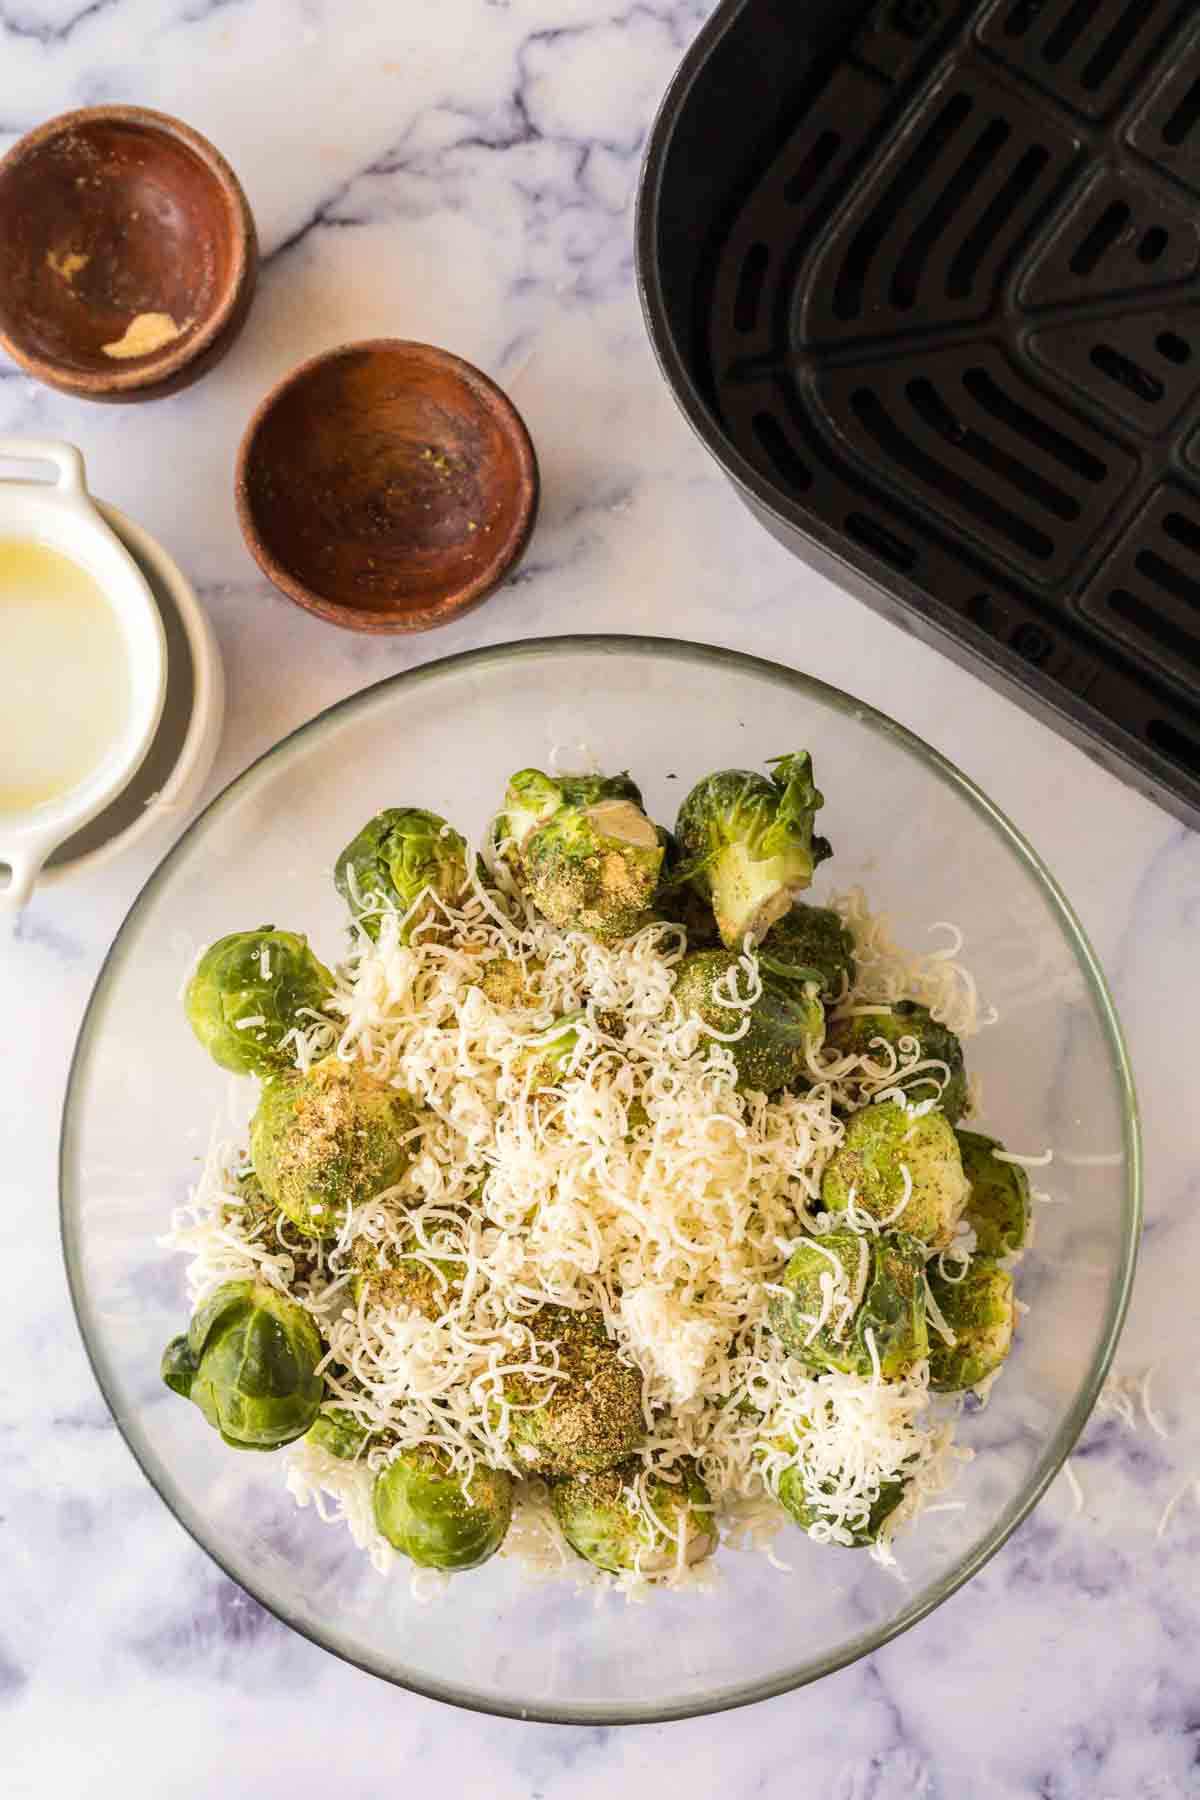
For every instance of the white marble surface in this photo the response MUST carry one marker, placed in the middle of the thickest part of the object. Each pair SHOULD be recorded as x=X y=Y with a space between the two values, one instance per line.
x=464 y=172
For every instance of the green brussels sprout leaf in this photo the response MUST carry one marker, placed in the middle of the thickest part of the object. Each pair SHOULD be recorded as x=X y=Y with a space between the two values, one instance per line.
x=338 y=1433
x=179 y=1366
x=810 y=943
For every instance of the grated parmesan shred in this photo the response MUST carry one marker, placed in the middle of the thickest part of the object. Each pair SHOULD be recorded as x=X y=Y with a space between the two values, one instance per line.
x=643 y=1183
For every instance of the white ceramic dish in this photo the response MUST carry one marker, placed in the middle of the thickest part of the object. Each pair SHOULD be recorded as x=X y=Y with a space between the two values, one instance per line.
x=178 y=762
x=59 y=513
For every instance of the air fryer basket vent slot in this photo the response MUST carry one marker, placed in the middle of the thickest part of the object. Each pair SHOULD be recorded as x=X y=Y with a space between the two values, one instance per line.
x=1084 y=52
x=1000 y=463
x=1121 y=236
x=1167 y=129
x=1142 y=367
x=932 y=232
x=1150 y=588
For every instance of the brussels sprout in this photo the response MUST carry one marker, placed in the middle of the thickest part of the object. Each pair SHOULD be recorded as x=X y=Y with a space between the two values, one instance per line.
x=682 y=905
x=981 y=1311
x=255 y=1214
x=437 y=1517
x=548 y=1053
x=401 y=854
x=248 y=1361
x=786 y=1021
x=328 y=1140
x=416 y=1282
x=868 y=1169
x=532 y=799
x=505 y=981
x=748 y=845
x=808 y=1512
x=998 y=1206
x=811 y=943
x=251 y=1215
x=338 y=1433
x=587 y=1419
x=584 y=852
x=842 y=1286
x=603 y=1523
x=906 y=1027
x=247 y=992
x=636 y=1117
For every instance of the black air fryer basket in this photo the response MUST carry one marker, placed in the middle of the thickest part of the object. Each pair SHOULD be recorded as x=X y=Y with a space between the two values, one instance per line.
x=925 y=277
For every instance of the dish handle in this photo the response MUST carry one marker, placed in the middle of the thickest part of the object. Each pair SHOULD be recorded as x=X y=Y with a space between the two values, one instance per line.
x=71 y=477
x=24 y=867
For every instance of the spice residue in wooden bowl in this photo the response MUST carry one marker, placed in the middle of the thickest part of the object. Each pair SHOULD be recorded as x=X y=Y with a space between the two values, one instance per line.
x=387 y=486
x=127 y=254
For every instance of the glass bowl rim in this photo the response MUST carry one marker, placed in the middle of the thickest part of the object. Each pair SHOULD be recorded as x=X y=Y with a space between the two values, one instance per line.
x=1053 y=1457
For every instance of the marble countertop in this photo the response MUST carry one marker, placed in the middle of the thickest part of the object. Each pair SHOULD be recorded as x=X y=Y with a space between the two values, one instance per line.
x=464 y=172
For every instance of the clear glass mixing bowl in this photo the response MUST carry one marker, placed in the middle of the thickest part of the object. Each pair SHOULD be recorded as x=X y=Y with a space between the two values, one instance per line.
x=927 y=846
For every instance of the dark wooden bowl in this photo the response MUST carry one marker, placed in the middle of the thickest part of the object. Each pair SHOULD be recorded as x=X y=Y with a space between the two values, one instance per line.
x=113 y=215
x=387 y=486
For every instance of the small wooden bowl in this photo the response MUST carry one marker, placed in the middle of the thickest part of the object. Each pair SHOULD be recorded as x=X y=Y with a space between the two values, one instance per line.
x=128 y=255
x=387 y=486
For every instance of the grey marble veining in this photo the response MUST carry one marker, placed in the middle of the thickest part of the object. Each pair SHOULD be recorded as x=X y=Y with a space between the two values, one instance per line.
x=464 y=172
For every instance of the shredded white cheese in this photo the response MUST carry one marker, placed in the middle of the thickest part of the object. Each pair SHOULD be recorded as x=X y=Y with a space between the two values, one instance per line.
x=642 y=1183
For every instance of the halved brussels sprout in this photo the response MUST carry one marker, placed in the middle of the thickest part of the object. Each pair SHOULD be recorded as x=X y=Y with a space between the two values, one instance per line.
x=584 y=852
x=786 y=1021
x=998 y=1205
x=981 y=1311
x=409 y=1280
x=399 y=855
x=810 y=943
x=881 y=1143
x=248 y=991
x=908 y=1029
x=248 y=1360
x=327 y=1140
x=338 y=1433
x=604 y=1523
x=807 y=1512
x=437 y=1517
x=505 y=981
x=747 y=843
x=842 y=1286
x=588 y=1418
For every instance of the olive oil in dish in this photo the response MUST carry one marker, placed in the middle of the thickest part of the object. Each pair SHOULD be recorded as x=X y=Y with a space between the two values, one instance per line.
x=65 y=689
